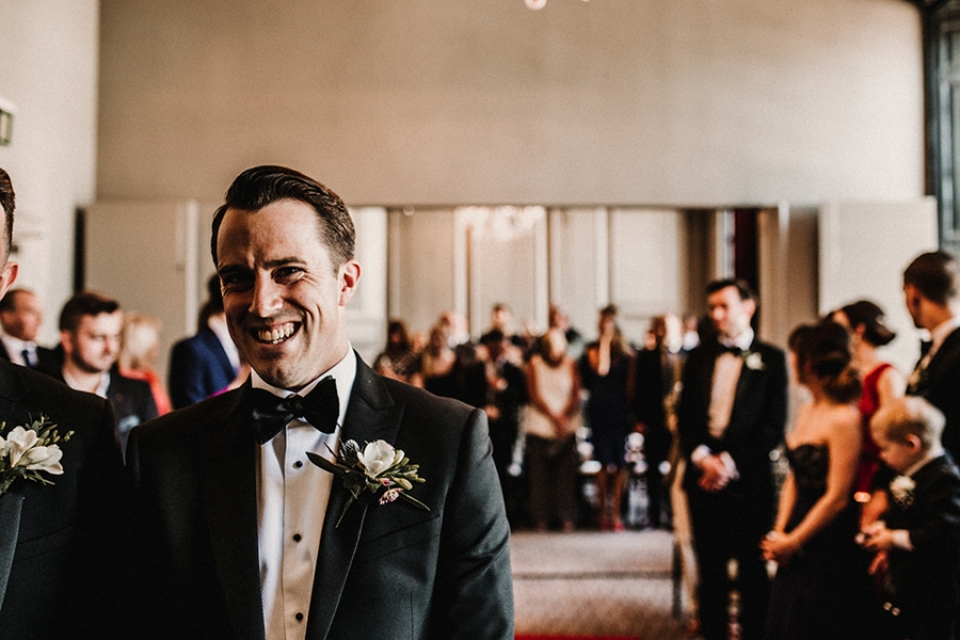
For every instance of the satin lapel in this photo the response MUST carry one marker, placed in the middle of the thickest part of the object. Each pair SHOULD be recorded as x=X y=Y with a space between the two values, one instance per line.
x=12 y=391
x=230 y=494
x=945 y=357
x=371 y=415
x=745 y=384
x=10 y=505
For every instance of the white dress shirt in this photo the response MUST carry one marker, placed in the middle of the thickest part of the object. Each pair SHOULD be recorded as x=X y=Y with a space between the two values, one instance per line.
x=726 y=375
x=15 y=348
x=292 y=496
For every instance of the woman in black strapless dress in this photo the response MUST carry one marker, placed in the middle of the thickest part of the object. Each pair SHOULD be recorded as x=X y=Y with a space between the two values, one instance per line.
x=821 y=590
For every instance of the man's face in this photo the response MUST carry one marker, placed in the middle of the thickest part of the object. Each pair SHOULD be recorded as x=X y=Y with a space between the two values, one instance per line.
x=95 y=345
x=23 y=321
x=730 y=315
x=284 y=298
x=911 y=299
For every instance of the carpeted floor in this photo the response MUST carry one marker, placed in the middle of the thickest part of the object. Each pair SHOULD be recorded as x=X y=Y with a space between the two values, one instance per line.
x=594 y=585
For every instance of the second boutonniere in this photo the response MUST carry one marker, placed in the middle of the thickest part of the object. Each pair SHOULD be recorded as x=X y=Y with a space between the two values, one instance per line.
x=29 y=450
x=752 y=360
x=901 y=489
x=376 y=467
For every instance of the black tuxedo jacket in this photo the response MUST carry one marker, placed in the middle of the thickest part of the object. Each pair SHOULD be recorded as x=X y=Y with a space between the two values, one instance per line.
x=925 y=583
x=940 y=384
x=389 y=571
x=649 y=392
x=756 y=421
x=64 y=538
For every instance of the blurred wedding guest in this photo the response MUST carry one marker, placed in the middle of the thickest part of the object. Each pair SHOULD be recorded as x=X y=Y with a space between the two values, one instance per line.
x=504 y=392
x=501 y=319
x=918 y=540
x=730 y=416
x=438 y=365
x=207 y=362
x=557 y=318
x=605 y=371
x=550 y=423
x=881 y=384
x=90 y=328
x=656 y=384
x=931 y=288
x=58 y=569
x=399 y=360
x=691 y=333
x=21 y=315
x=821 y=589
x=139 y=348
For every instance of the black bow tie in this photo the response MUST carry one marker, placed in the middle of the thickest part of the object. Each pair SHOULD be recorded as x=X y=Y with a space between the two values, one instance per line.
x=320 y=407
x=734 y=350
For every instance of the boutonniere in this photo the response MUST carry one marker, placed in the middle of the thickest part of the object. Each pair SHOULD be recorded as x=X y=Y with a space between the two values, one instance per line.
x=752 y=360
x=901 y=488
x=29 y=450
x=376 y=467
x=917 y=379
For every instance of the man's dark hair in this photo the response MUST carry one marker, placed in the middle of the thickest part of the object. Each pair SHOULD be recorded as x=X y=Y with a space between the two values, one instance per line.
x=743 y=289
x=85 y=303
x=8 y=200
x=255 y=188
x=935 y=275
x=9 y=300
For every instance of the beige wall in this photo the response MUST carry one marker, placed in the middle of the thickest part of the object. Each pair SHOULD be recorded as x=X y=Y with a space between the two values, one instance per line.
x=677 y=102
x=49 y=71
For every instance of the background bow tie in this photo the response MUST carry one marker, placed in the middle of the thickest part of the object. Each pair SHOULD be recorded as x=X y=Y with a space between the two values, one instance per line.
x=320 y=407
x=734 y=350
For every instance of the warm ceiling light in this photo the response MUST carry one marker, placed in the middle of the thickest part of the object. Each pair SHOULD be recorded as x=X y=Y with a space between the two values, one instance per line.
x=536 y=5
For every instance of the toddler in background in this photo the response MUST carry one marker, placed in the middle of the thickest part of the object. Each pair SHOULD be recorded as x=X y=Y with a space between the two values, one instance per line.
x=917 y=540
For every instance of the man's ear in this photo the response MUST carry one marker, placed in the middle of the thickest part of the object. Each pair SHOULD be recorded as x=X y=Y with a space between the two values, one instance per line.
x=349 y=278
x=65 y=342
x=8 y=275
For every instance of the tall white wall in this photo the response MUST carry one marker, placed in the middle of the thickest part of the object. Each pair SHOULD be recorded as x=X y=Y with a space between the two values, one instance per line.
x=652 y=102
x=49 y=50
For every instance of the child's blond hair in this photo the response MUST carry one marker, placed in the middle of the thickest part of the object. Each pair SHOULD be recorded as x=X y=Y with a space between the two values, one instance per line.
x=910 y=415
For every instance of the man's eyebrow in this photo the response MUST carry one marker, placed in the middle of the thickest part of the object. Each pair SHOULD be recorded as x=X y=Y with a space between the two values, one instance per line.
x=269 y=264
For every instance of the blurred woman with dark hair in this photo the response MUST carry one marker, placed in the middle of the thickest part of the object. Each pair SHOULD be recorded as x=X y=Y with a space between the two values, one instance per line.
x=821 y=587
x=881 y=383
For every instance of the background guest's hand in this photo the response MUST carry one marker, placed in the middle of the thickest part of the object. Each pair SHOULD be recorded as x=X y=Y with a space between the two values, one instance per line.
x=715 y=475
x=778 y=546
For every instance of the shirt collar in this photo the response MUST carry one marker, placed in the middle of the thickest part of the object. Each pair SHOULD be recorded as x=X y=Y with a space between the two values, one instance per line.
x=742 y=341
x=16 y=344
x=344 y=372
x=102 y=387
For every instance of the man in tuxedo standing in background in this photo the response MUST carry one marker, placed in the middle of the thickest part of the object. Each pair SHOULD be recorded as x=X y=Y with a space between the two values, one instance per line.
x=59 y=543
x=243 y=533
x=930 y=287
x=730 y=417
x=21 y=314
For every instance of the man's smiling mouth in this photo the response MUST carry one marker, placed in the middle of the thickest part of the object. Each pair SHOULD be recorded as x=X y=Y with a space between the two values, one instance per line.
x=278 y=334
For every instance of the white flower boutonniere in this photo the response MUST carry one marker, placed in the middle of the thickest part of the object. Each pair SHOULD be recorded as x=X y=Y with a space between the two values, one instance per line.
x=901 y=489
x=376 y=467
x=29 y=450
x=752 y=360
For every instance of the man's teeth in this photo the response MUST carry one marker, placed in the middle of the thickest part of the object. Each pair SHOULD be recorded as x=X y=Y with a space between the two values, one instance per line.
x=276 y=335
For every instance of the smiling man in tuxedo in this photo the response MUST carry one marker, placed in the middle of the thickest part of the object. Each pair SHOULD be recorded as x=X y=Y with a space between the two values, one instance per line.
x=59 y=542
x=243 y=530
x=730 y=417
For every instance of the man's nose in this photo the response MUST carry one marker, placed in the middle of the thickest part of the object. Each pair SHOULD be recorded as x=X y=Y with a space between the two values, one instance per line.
x=266 y=297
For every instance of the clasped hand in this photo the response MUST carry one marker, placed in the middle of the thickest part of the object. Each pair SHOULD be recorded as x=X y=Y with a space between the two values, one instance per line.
x=714 y=474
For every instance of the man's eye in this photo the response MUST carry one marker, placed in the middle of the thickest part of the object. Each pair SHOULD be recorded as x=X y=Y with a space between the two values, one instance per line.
x=287 y=274
x=236 y=280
